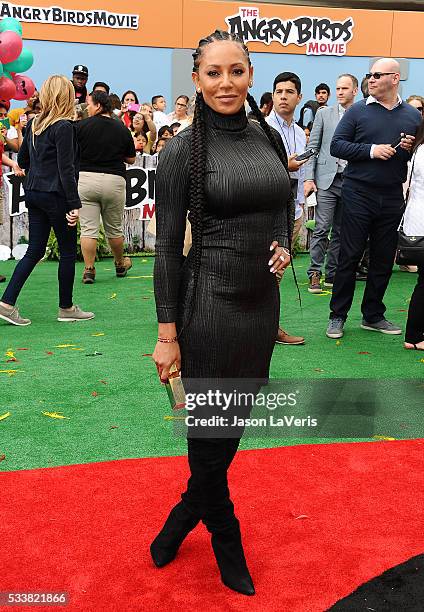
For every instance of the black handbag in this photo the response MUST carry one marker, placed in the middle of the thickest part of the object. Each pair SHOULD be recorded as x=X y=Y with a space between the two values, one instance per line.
x=410 y=249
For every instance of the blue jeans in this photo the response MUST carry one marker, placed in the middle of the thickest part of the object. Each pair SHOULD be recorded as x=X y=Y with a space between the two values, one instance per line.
x=46 y=210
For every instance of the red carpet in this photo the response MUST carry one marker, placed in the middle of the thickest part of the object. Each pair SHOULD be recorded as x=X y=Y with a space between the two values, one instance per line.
x=85 y=529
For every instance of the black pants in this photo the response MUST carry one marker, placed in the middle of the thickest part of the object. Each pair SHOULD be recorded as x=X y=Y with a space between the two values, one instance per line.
x=415 y=325
x=207 y=495
x=46 y=210
x=366 y=213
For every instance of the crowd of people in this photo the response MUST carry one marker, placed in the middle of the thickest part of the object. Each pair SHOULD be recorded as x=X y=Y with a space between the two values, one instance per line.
x=149 y=128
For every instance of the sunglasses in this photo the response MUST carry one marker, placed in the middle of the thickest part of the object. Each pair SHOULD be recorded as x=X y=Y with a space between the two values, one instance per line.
x=377 y=75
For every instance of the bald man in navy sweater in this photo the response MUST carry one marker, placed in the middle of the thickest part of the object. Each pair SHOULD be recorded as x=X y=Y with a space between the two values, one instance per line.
x=372 y=194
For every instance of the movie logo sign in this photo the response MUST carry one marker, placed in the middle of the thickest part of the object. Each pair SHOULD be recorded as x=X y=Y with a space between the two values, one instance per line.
x=320 y=35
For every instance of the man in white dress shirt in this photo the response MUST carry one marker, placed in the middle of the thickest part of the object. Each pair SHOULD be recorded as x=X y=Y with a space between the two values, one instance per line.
x=286 y=96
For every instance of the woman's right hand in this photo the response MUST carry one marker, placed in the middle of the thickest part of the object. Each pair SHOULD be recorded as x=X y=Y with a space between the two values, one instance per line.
x=164 y=356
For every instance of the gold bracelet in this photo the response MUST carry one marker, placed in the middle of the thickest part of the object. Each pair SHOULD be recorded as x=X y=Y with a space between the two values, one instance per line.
x=168 y=340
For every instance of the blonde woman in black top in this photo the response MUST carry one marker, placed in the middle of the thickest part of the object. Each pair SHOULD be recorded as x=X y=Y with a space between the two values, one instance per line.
x=49 y=155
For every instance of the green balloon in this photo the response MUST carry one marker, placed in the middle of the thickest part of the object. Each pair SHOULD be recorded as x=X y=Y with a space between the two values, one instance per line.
x=7 y=74
x=21 y=63
x=1 y=69
x=10 y=24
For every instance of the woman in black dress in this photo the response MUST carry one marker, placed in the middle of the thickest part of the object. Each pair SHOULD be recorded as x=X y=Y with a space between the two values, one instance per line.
x=218 y=311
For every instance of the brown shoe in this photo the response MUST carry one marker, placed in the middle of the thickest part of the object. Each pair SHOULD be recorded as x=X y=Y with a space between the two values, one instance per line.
x=315 y=283
x=123 y=266
x=285 y=338
x=89 y=276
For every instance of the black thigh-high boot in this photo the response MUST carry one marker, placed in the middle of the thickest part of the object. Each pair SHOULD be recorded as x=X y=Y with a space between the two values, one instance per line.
x=182 y=519
x=176 y=528
x=209 y=461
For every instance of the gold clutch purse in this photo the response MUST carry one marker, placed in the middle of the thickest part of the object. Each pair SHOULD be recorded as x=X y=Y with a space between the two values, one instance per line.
x=175 y=389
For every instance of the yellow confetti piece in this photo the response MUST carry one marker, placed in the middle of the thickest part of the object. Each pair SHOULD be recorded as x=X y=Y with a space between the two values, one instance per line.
x=173 y=418
x=144 y=261
x=323 y=293
x=4 y=416
x=10 y=353
x=113 y=296
x=149 y=276
x=76 y=349
x=338 y=342
x=421 y=360
x=10 y=372
x=64 y=345
x=98 y=335
x=55 y=415
x=383 y=438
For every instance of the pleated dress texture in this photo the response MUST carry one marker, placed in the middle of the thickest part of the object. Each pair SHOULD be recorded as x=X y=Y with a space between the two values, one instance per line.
x=234 y=323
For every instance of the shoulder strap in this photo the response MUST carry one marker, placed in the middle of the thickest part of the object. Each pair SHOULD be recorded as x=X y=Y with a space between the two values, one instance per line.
x=410 y=176
x=408 y=188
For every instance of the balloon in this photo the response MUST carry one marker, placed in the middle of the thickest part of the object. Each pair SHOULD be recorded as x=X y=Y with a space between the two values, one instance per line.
x=1 y=69
x=7 y=74
x=7 y=88
x=4 y=252
x=10 y=24
x=24 y=87
x=10 y=46
x=19 y=251
x=22 y=63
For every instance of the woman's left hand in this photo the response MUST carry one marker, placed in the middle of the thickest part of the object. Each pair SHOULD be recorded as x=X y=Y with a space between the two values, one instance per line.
x=72 y=217
x=281 y=258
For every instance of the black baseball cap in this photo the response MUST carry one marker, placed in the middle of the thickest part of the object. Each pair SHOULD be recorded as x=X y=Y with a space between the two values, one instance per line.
x=79 y=69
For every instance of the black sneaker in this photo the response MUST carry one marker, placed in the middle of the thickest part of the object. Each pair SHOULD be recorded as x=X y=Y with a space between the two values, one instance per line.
x=329 y=282
x=384 y=326
x=361 y=274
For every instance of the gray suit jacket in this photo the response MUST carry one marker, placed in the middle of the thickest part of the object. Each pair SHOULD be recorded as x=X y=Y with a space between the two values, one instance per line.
x=323 y=169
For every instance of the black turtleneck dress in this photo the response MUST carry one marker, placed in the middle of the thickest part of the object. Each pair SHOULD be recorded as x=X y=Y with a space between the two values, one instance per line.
x=235 y=319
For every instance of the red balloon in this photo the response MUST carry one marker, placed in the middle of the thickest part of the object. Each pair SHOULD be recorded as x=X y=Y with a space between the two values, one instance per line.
x=24 y=87
x=10 y=46
x=7 y=88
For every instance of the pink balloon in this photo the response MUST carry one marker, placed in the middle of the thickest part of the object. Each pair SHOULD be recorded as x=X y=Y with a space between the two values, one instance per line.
x=7 y=88
x=24 y=87
x=10 y=46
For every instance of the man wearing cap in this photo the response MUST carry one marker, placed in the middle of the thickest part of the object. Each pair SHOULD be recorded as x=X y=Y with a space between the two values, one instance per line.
x=79 y=81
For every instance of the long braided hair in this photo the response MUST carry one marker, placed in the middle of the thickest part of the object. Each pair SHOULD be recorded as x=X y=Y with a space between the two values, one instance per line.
x=197 y=166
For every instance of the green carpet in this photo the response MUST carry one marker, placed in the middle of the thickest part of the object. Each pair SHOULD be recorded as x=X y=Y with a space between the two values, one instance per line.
x=108 y=388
